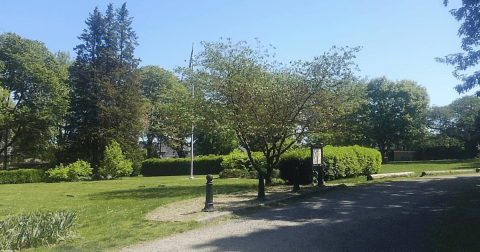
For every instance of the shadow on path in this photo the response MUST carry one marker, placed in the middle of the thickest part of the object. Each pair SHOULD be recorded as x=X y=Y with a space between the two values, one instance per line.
x=440 y=214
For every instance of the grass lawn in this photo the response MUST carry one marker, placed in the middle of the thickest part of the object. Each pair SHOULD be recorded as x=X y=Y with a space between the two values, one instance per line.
x=415 y=166
x=111 y=214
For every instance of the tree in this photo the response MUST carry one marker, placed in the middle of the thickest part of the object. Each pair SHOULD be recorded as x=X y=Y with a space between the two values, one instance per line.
x=34 y=95
x=106 y=100
x=265 y=101
x=218 y=142
x=114 y=163
x=395 y=112
x=459 y=121
x=469 y=30
x=169 y=116
x=348 y=129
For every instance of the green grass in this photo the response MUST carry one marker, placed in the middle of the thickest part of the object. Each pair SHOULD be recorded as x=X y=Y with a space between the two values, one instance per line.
x=414 y=166
x=111 y=214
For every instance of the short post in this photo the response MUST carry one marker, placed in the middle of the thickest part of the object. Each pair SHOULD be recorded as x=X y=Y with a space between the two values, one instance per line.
x=296 y=177
x=261 y=186
x=317 y=162
x=209 y=198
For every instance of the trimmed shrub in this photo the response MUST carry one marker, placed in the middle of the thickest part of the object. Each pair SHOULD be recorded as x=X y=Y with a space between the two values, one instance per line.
x=339 y=162
x=34 y=230
x=370 y=160
x=22 y=176
x=299 y=158
x=239 y=160
x=244 y=173
x=181 y=166
x=71 y=172
x=234 y=173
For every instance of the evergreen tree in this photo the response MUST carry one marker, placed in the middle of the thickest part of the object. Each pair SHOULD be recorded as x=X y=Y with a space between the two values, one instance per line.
x=106 y=100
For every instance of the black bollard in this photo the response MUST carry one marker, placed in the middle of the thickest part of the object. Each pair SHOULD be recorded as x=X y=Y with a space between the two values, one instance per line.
x=296 y=177
x=261 y=186
x=321 y=176
x=209 y=198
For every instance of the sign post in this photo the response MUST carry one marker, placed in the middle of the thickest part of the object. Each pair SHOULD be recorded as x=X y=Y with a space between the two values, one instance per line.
x=317 y=162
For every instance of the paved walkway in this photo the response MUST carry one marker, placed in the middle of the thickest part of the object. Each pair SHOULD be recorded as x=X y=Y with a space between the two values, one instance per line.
x=428 y=214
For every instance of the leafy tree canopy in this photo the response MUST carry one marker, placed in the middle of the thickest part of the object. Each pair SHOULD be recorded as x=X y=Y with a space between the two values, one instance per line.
x=395 y=112
x=33 y=93
x=469 y=31
x=265 y=101
x=170 y=116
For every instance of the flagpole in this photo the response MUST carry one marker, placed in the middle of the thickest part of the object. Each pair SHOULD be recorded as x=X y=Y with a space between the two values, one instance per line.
x=191 y=139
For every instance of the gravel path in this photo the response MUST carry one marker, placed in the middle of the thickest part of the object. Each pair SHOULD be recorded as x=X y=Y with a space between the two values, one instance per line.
x=428 y=214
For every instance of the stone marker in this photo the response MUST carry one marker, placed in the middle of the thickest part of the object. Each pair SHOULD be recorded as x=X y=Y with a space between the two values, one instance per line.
x=389 y=175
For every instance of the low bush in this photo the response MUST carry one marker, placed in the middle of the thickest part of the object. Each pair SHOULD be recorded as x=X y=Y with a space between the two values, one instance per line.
x=339 y=162
x=244 y=173
x=234 y=173
x=71 y=172
x=298 y=158
x=22 y=176
x=202 y=165
x=34 y=230
x=114 y=163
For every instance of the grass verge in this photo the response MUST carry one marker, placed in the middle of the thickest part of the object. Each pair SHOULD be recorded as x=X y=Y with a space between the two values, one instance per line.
x=111 y=214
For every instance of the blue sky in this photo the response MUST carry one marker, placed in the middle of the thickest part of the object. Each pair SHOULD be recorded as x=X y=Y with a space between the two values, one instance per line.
x=400 y=38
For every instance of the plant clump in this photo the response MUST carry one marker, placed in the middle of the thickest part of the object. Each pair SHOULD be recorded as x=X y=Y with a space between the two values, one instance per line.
x=35 y=229
x=71 y=172
x=114 y=163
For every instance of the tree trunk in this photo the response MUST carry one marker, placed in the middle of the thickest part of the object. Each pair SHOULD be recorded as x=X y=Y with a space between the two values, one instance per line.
x=261 y=186
x=268 y=176
x=5 y=155
x=149 y=146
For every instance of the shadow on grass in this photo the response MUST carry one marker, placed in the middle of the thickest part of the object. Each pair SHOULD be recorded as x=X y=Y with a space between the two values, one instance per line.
x=167 y=192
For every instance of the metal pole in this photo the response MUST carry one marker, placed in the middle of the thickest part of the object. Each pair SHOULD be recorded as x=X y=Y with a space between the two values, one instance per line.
x=191 y=140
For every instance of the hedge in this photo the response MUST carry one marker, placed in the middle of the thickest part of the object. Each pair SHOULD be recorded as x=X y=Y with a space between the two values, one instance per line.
x=203 y=165
x=239 y=160
x=22 y=176
x=181 y=166
x=339 y=162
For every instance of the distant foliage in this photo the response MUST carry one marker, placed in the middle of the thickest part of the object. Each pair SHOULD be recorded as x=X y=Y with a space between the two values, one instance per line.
x=181 y=166
x=114 y=163
x=71 y=172
x=35 y=230
x=339 y=162
x=22 y=176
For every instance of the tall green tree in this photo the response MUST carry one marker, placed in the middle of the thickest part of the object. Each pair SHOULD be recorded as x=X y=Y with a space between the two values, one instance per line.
x=218 y=141
x=395 y=112
x=266 y=102
x=348 y=127
x=106 y=100
x=170 y=116
x=34 y=95
x=469 y=32
x=459 y=121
